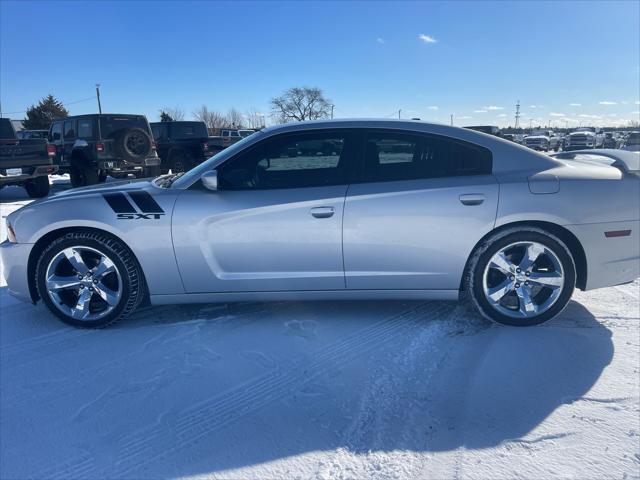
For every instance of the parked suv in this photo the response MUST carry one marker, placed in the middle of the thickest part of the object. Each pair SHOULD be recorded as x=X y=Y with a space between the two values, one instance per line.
x=89 y=147
x=24 y=162
x=181 y=145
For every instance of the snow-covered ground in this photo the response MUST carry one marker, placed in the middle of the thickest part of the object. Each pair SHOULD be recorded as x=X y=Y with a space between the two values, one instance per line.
x=334 y=390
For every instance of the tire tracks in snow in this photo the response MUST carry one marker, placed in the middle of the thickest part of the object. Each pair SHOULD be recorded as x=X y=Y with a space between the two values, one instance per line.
x=365 y=444
x=158 y=440
x=194 y=322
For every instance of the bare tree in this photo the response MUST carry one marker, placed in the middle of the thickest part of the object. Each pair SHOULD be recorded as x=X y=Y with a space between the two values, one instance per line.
x=299 y=104
x=211 y=118
x=255 y=119
x=176 y=113
x=234 y=118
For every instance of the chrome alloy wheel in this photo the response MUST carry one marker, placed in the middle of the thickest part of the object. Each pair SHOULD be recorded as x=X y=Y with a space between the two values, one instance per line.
x=83 y=283
x=523 y=279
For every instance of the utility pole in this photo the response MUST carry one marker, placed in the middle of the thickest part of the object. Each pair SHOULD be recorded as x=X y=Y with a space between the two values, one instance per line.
x=98 y=96
x=332 y=105
x=399 y=111
x=452 y=119
x=517 y=114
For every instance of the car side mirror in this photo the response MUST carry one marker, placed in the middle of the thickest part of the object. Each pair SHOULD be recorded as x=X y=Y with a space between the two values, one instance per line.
x=210 y=180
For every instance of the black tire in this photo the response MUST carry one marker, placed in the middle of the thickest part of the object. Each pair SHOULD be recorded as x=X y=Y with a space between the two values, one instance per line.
x=38 y=187
x=152 y=172
x=133 y=144
x=82 y=176
x=102 y=176
x=473 y=282
x=180 y=162
x=133 y=286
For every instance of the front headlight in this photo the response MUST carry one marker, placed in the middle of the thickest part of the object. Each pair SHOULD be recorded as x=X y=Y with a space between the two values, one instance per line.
x=11 y=234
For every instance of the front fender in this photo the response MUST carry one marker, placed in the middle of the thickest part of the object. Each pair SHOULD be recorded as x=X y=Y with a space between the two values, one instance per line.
x=148 y=235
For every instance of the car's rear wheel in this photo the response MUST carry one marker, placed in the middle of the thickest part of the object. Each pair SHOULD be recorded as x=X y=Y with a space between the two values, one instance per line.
x=521 y=277
x=88 y=279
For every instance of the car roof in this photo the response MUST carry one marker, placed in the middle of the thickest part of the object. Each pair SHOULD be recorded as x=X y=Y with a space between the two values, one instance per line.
x=84 y=115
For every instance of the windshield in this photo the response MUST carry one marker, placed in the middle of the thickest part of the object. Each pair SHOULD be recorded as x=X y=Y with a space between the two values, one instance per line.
x=539 y=133
x=192 y=175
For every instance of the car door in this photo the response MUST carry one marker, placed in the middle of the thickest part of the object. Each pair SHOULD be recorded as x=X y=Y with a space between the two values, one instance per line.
x=275 y=222
x=421 y=204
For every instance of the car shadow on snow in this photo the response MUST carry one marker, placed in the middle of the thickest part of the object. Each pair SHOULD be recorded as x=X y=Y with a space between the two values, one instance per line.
x=190 y=390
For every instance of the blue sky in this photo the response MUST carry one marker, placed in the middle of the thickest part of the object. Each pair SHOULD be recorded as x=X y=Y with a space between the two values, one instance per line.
x=564 y=61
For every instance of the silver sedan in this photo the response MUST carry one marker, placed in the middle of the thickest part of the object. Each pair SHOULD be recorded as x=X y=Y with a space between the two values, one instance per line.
x=352 y=209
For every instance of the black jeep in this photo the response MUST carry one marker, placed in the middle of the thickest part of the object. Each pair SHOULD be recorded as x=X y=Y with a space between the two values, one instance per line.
x=90 y=147
x=182 y=145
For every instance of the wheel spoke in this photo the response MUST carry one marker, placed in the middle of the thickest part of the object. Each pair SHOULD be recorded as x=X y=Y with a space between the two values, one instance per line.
x=76 y=261
x=57 y=282
x=531 y=255
x=527 y=308
x=552 y=280
x=106 y=294
x=501 y=262
x=496 y=294
x=81 y=309
x=105 y=267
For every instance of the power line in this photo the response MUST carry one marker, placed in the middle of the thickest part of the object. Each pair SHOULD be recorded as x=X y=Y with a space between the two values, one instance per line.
x=64 y=103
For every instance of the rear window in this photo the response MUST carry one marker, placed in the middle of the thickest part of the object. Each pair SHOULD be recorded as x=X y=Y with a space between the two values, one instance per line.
x=189 y=130
x=111 y=125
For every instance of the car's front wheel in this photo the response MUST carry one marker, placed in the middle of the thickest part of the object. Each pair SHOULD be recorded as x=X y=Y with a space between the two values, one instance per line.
x=89 y=279
x=521 y=277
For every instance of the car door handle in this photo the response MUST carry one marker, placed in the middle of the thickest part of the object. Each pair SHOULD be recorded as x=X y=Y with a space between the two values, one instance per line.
x=472 y=198
x=322 y=212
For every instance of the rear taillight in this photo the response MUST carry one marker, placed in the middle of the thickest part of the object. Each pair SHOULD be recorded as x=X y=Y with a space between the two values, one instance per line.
x=51 y=150
x=99 y=147
x=153 y=145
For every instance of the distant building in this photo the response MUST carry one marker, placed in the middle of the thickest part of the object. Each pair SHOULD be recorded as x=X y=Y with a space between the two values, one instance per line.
x=17 y=125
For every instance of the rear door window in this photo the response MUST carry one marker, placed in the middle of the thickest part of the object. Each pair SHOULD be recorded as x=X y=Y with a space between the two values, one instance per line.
x=392 y=156
x=69 y=130
x=56 y=131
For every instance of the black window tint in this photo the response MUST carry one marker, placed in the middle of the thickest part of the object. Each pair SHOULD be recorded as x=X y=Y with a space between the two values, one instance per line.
x=85 y=128
x=189 y=130
x=291 y=161
x=56 y=132
x=399 y=156
x=69 y=129
x=159 y=131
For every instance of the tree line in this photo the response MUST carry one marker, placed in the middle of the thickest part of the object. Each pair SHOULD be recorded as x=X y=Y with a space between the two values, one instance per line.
x=293 y=105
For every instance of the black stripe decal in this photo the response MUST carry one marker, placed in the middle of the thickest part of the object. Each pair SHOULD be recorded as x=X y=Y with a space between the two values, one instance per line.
x=145 y=202
x=119 y=203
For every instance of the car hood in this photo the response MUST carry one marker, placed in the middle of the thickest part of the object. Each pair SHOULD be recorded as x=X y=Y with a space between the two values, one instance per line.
x=92 y=190
x=589 y=134
x=536 y=137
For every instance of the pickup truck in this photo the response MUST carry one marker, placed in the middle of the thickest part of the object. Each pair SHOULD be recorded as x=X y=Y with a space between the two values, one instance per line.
x=227 y=137
x=584 y=137
x=182 y=145
x=543 y=140
x=24 y=162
